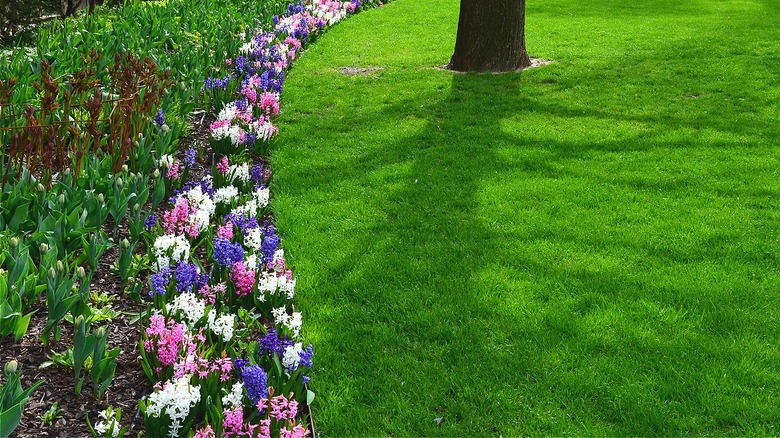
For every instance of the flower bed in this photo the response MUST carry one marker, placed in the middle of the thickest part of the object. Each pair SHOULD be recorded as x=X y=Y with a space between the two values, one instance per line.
x=219 y=330
x=221 y=341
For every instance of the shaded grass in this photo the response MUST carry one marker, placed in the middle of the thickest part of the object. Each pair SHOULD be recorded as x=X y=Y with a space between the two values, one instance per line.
x=585 y=248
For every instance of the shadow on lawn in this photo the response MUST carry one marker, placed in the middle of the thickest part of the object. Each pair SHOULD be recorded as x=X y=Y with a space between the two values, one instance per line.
x=426 y=294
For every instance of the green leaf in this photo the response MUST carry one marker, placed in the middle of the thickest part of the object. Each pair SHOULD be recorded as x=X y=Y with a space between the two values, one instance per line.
x=309 y=397
x=21 y=326
x=10 y=419
x=20 y=215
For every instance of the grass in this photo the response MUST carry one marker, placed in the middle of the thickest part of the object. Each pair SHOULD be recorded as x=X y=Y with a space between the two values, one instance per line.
x=587 y=248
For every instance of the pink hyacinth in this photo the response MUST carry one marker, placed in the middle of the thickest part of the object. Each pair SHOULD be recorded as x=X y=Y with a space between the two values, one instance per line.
x=269 y=103
x=223 y=366
x=219 y=124
x=296 y=432
x=223 y=166
x=177 y=221
x=174 y=170
x=170 y=338
x=206 y=432
x=264 y=428
x=208 y=295
x=233 y=424
x=226 y=231
x=282 y=408
x=250 y=93
x=243 y=277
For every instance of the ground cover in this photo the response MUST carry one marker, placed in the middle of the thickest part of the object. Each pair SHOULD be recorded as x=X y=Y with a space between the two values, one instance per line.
x=587 y=248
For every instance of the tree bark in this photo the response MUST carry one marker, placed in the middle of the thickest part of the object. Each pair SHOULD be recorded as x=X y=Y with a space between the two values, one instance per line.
x=491 y=36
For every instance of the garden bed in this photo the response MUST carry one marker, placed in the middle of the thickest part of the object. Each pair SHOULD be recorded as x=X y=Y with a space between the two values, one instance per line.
x=188 y=306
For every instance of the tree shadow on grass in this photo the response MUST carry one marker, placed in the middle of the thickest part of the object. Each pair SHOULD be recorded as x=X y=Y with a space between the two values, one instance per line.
x=435 y=309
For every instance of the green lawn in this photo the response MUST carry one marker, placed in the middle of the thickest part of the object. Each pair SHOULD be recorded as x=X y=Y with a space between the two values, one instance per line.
x=589 y=248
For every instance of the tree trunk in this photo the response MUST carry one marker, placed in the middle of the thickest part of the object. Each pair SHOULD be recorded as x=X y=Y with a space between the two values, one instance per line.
x=491 y=36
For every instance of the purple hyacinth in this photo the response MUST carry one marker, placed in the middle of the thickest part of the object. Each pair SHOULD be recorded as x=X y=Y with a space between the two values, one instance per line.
x=295 y=8
x=242 y=222
x=239 y=364
x=205 y=187
x=203 y=279
x=226 y=253
x=257 y=172
x=306 y=357
x=255 y=381
x=271 y=343
x=150 y=222
x=269 y=245
x=213 y=83
x=186 y=276
x=159 y=282
x=240 y=64
x=189 y=157
x=159 y=119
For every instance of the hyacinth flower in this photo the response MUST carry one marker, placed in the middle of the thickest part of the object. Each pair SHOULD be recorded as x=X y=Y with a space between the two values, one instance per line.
x=168 y=409
x=217 y=91
x=203 y=321
x=238 y=129
x=174 y=170
x=169 y=249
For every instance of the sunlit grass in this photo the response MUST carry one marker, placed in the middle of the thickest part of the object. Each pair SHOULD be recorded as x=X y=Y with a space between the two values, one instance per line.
x=585 y=248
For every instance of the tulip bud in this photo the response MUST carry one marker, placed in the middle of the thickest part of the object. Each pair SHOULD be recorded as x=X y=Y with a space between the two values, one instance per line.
x=44 y=248
x=101 y=198
x=165 y=128
x=52 y=273
x=136 y=208
x=125 y=244
x=125 y=168
x=40 y=187
x=119 y=182
x=156 y=173
x=11 y=367
x=61 y=199
x=60 y=266
x=14 y=242
x=80 y=272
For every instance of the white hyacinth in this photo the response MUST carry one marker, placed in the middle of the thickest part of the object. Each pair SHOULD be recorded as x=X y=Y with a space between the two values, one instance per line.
x=222 y=326
x=189 y=305
x=268 y=283
x=170 y=248
x=225 y=195
x=166 y=161
x=107 y=426
x=294 y=323
x=235 y=396
x=248 y=209
x=261 y=196
x=292 y=356
x=287 y=286
x=175 y=399
x=253 y=239
x=239 y=171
